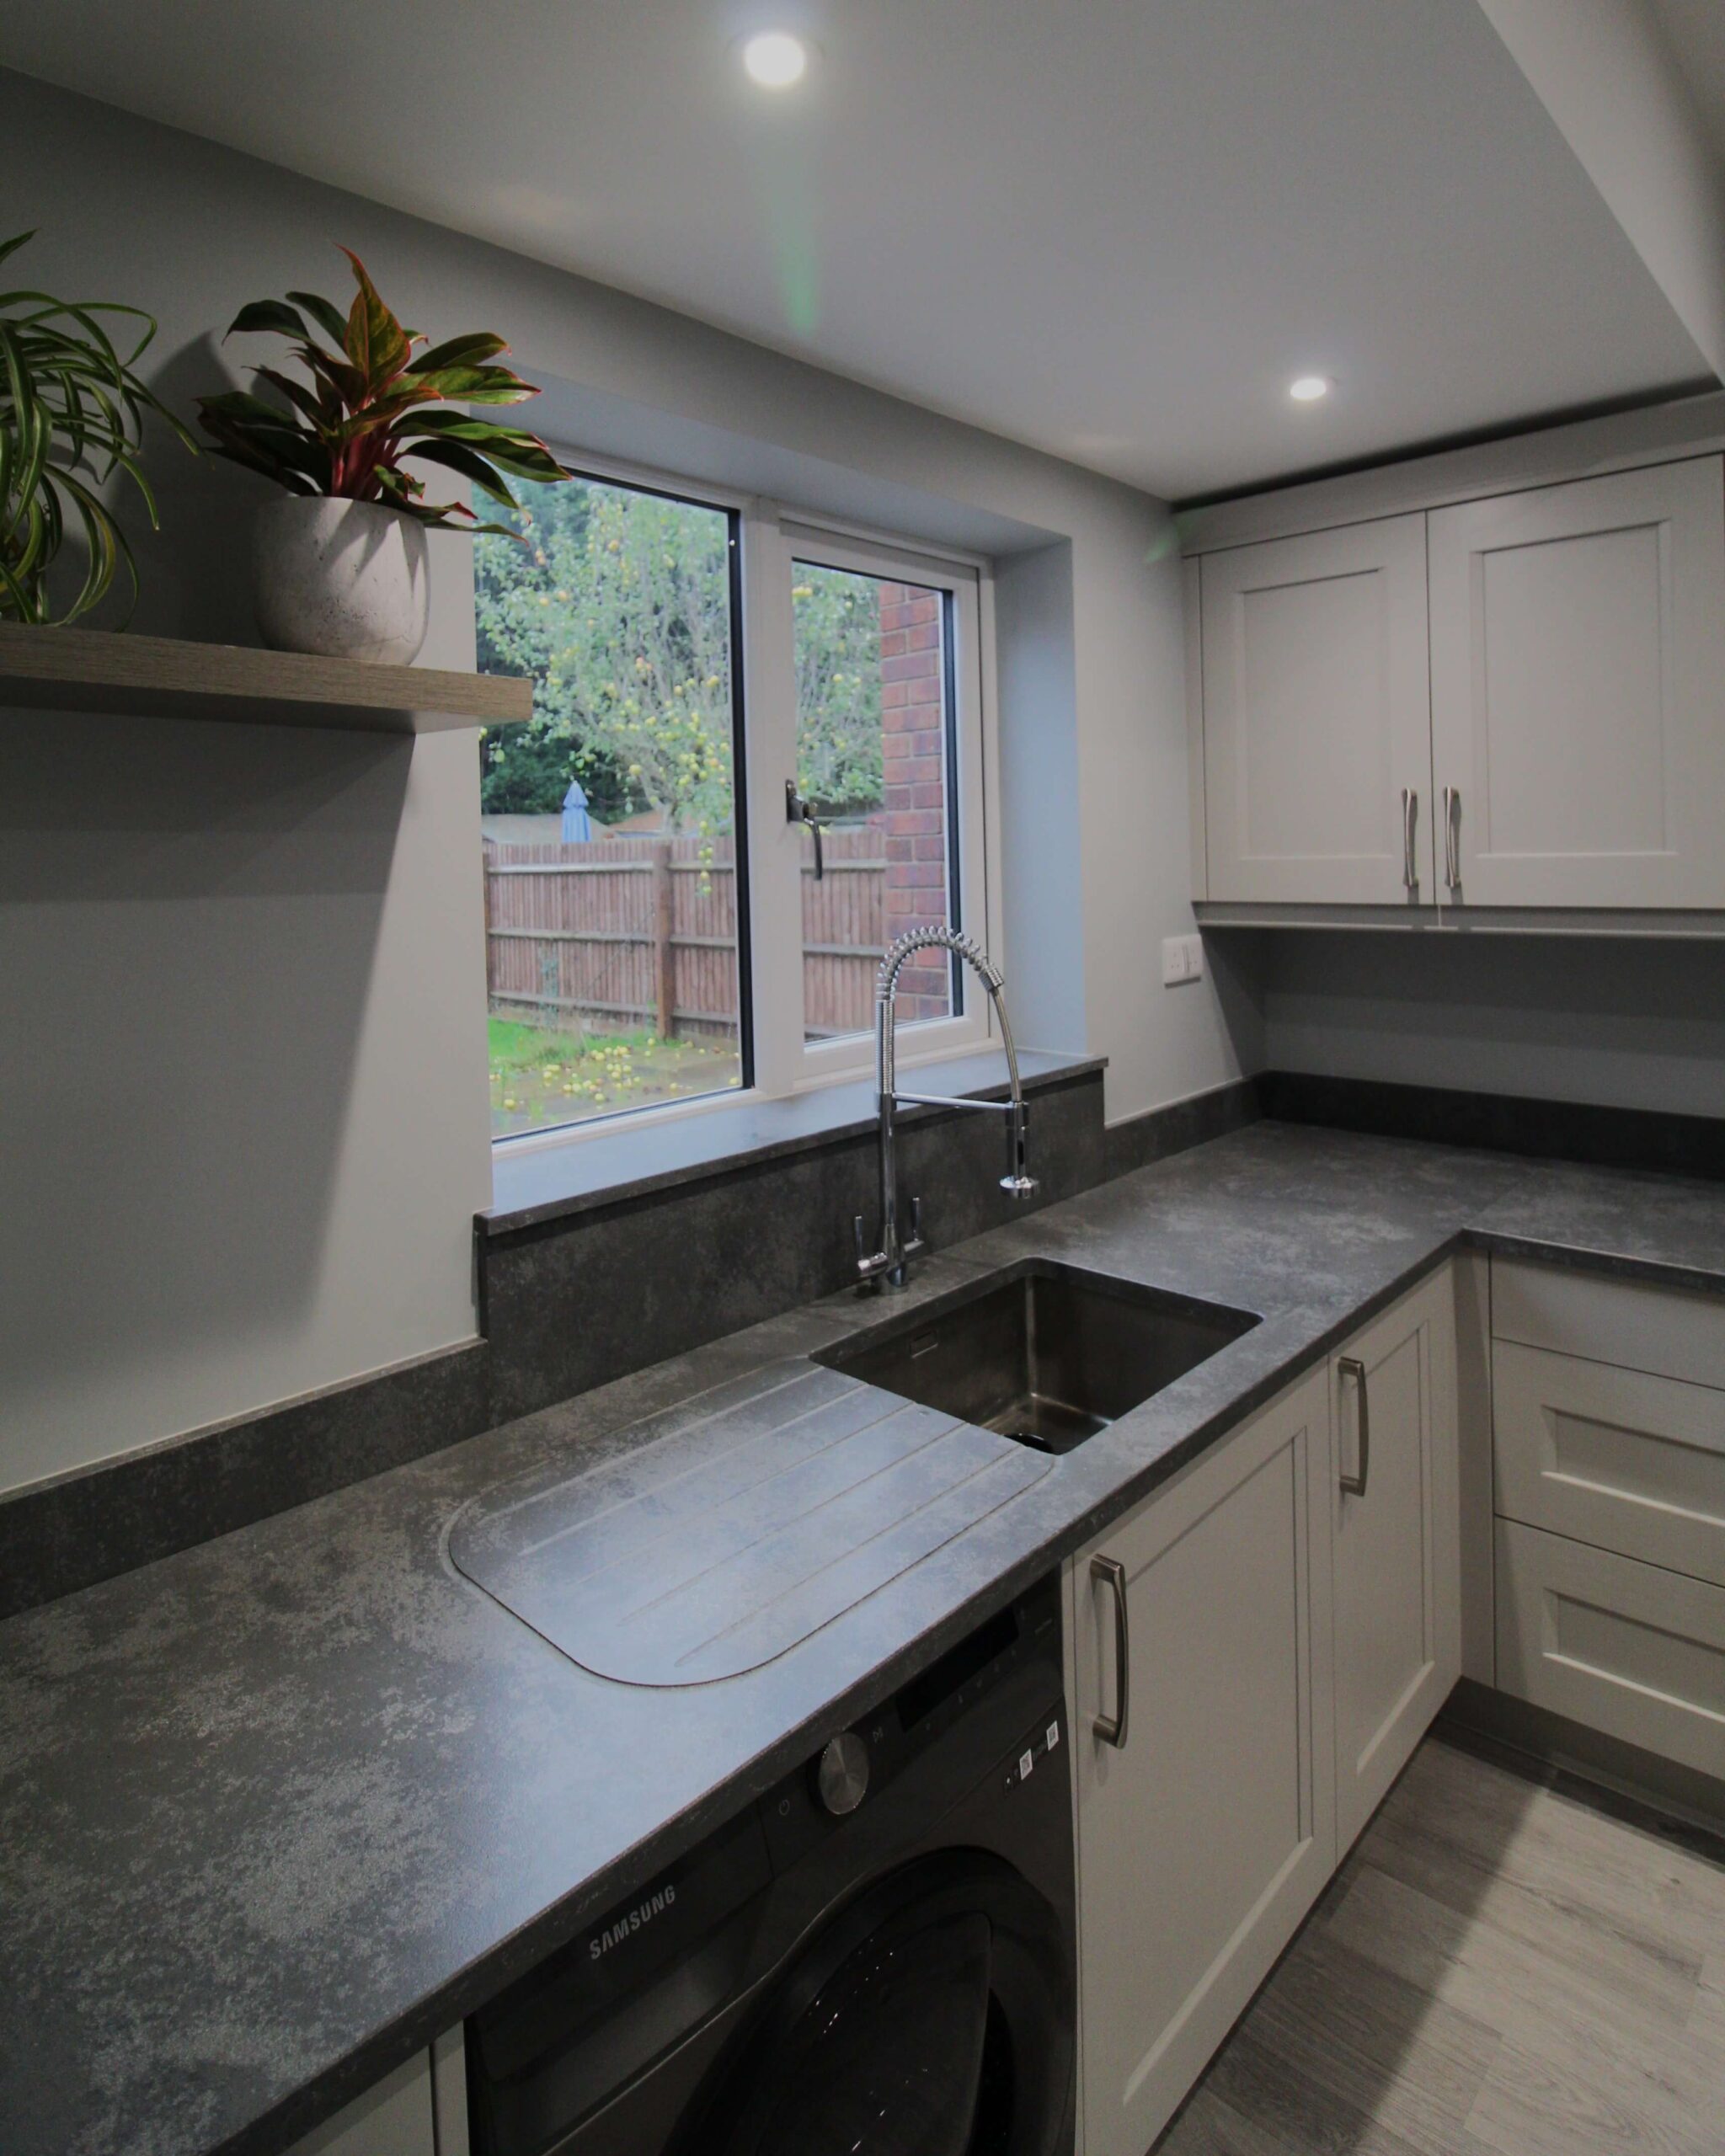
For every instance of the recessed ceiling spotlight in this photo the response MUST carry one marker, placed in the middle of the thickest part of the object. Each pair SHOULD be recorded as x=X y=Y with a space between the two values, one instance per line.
x=1308 y=389
x=775 y=60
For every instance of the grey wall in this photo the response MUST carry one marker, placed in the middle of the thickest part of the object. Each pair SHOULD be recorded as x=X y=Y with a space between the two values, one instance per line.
x=1623 y=1023
x=242 y=1065
x=242 y=1072
x=1040 y=808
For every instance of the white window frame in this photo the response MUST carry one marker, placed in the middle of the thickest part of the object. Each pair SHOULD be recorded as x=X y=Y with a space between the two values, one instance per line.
x=771 y=539
x=774 y=541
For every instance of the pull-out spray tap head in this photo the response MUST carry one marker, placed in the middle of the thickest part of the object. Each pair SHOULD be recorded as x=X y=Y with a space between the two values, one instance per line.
x=886 y=981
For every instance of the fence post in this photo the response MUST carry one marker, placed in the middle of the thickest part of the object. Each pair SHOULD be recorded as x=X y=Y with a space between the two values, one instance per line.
x=664 y=918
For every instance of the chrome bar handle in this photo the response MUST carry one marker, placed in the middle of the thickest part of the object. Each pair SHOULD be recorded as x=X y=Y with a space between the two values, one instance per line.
x=1410 y=818
x=1350 y=1366
x=1452 y=836
x=1111 y=1728
x=950 y=1101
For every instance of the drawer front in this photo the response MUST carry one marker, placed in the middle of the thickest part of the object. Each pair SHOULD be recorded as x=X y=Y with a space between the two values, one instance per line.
x=1625 y=1461
x=1618 y=1646
x=1674 y=1332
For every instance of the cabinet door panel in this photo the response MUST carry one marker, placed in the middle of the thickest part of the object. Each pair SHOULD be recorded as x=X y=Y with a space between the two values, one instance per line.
x=1316 y=715
x=1616 y=1458
x=393 y=2119
x=1578 y=655
x=1395 y=1547
x=1203 y=1843
x=1670 y=1332
x=1616 y=1645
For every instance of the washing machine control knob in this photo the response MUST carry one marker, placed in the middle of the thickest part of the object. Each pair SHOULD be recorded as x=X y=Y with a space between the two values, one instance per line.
x=841 y=1774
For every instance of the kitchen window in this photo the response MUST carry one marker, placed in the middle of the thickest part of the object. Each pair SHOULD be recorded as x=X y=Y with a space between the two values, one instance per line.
x=659 y=931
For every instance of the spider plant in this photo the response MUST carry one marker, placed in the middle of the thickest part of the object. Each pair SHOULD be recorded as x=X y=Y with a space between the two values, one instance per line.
x=370 y=403
x=71 y=415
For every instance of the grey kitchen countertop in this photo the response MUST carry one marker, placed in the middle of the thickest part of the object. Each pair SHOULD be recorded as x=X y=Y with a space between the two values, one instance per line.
x=277 y=1810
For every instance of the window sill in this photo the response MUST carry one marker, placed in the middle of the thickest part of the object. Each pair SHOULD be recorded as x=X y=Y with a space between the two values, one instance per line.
x=556 y=1182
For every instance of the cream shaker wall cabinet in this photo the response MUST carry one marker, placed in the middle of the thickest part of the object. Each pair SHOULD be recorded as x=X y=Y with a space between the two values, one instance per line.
x=1578 y=655
x=1317 y=718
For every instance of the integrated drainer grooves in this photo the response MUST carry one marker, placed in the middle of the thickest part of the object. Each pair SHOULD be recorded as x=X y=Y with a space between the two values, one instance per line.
x=754 y=1517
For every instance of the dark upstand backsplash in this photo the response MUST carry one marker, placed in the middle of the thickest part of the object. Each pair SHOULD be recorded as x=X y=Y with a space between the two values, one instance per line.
x=1502 y=1122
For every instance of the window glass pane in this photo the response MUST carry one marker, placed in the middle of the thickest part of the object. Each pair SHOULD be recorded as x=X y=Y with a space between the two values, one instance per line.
x=612 y=884
x=874 y=736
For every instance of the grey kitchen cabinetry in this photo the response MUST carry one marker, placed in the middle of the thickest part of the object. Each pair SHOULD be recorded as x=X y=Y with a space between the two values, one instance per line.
x=1616 y=1645
x=1609 y=1430
x=1205 y=1826
x=1317 y=718
x=420 y=2109
x=1395 y=1542
x=1513 y=702
x=1577 y=648
x=1288 y=1642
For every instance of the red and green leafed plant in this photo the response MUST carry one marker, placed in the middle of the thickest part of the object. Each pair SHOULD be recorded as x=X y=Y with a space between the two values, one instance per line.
x=370 y=404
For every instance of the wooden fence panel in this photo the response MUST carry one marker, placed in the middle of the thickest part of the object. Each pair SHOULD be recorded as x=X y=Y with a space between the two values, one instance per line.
x=843 y=937
x=642 y=931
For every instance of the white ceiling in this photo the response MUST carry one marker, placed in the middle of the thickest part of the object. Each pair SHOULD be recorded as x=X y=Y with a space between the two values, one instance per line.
x=1115 y=228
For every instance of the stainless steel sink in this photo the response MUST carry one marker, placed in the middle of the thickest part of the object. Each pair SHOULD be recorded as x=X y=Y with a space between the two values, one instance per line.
x=1043 y=1352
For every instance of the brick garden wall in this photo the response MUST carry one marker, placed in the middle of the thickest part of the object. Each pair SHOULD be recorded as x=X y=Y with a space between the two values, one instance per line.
x=912 y=816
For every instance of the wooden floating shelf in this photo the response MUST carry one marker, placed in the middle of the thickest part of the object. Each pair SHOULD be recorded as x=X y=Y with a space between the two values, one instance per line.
x=165 y=677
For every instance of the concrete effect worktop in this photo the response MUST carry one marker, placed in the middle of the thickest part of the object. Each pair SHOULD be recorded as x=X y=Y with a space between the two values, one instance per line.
x=275 y=1810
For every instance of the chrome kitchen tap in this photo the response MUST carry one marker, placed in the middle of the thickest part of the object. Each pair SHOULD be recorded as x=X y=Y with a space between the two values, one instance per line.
x=890 y=1262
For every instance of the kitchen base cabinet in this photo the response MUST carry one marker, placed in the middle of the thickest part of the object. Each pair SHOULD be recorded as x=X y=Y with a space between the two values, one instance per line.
x=1616 y=1645
x=1608 y=1416
x=1620 y=1459
x=420 y=2109
x=1475 y=1505
x=1205 y=1825
x=393 y=2119
x=1392 y=1504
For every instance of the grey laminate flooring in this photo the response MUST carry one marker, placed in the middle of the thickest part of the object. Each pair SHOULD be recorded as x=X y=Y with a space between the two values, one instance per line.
x=1499 y=1967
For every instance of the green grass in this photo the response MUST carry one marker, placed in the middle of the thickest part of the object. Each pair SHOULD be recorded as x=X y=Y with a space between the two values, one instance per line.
x=542 y=1075
x=518 y=1046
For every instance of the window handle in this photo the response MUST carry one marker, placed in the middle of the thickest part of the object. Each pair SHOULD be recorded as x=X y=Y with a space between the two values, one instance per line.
x=799 y=811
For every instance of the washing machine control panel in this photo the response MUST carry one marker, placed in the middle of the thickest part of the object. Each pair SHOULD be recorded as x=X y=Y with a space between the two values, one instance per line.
x=841 y=1774
x=855 y=1765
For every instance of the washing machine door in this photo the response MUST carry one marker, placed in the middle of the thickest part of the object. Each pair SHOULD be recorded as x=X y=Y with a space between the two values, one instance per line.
x=933 y=2017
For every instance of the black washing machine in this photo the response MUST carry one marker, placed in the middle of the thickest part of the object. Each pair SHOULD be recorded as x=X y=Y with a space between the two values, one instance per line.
x=875 y=1959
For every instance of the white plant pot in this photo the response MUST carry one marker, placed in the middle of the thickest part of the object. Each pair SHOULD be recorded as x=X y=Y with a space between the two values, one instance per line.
x=346 y=580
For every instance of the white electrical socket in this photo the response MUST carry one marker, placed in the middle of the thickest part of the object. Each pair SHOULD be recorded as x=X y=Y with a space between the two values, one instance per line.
x=1182 y=959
